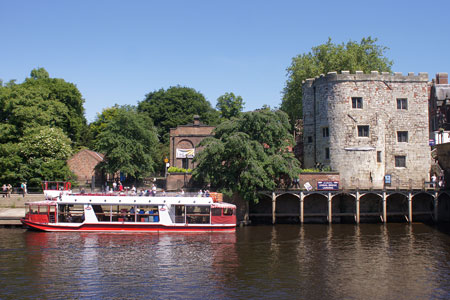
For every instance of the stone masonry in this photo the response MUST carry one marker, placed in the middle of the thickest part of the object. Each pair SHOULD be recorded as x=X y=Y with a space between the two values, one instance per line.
x=366 y=126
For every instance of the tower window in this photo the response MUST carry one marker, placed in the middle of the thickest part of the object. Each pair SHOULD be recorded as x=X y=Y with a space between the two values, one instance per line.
x=400 y=161
x=325 y=132
x=363 y=131
x=402 y=103
x=357 y=102
x=402 y=136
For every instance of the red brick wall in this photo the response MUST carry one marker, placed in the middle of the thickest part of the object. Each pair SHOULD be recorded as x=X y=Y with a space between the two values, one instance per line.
x=176 y=181
x=313 y=178
x=83 y=164
x=185 y=137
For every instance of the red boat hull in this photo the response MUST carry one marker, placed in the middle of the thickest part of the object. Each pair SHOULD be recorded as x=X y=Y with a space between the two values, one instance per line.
x=126 y=227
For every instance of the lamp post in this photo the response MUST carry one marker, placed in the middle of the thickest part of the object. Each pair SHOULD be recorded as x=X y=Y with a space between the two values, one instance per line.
x=166 y=160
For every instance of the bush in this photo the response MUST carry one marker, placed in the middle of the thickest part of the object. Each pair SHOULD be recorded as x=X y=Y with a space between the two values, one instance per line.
x=178 y=170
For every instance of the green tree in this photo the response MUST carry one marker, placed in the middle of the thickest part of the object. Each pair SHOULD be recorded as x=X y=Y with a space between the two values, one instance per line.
x=365 y=56
x=101 y=121
x=176 y=106
x=40 y=154
x=248 y=154
x=229 y=105
x=129 y=142
x=41 y=101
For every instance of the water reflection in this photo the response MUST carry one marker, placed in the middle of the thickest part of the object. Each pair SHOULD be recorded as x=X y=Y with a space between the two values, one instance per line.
x=394 y=261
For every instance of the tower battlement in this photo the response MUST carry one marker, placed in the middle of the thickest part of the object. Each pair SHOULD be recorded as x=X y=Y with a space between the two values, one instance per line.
x=372 y=76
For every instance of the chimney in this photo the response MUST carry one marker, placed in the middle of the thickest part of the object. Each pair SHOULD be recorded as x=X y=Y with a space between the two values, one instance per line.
x=196 y=120
x=442 y=78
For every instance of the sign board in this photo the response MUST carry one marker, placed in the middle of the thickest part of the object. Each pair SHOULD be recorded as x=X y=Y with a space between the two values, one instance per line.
x=431 y=142
x=308 y=186
x=328 y=185
x=387 y=179
x=185 y=153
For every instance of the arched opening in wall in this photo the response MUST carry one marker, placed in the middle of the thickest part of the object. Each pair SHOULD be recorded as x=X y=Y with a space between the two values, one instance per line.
x=371 y=208
x=444 y=208
x=261 y=212
x=287 y=209
x=422 y=207
x=343 y=208
x=397 y=208
x=315 y=208
x=184 y=153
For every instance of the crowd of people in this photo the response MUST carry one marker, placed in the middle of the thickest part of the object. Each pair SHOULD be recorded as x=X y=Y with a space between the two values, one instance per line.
x=7 y=189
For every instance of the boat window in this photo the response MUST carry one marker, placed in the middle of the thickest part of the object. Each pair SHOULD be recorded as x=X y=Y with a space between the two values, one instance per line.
x=43 y=209
x=52 y=215
x=179 y=214
x=196 y=214
x=227 y=211
x=135 y=213
x=147 y=213
x=123 y=213
x=71 y=213
x=216 y=212
x=193 y=209
x=103 y=212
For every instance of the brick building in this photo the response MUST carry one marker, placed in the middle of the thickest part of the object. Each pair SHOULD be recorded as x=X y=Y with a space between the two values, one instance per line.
x=371 y=128
x=439 y=108
x=184 y=142
x=83 y=164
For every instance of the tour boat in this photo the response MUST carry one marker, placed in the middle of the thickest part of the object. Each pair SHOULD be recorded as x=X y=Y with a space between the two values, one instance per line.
x=130 y=213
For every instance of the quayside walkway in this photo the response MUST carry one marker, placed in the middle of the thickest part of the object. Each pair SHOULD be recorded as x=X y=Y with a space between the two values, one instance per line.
x=355 y=205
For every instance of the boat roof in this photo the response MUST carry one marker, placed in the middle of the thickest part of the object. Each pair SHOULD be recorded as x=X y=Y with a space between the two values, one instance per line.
x=113 y=199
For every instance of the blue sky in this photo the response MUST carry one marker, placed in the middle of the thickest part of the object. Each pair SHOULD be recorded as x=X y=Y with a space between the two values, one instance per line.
x=118 y=51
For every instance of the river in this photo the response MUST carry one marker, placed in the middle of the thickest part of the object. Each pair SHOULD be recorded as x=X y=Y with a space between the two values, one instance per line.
x=366 y=261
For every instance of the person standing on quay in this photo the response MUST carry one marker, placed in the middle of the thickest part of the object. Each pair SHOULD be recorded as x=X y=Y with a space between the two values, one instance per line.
x=9 y=188
x=23 y=186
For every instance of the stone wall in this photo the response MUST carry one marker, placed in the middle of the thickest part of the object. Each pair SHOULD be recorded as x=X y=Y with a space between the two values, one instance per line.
x=332 y=124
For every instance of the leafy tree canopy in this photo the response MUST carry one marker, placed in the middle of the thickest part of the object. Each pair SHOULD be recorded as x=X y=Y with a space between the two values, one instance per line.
x=229 y=105
x=248 y=154
x=41 y=101
x=176 y=106
x=365 y=56
x=41 y=154
x=129 y=142
x=102 y=120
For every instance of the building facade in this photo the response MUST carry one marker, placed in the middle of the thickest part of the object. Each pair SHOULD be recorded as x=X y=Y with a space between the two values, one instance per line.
x=439 y=108
x=371 y=128
x=184 y=141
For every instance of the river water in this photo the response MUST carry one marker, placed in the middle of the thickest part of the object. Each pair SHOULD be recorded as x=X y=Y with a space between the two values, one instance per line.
x=366 y=261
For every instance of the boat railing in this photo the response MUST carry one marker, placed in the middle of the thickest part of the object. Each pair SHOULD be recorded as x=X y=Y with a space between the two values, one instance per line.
x=217 y=197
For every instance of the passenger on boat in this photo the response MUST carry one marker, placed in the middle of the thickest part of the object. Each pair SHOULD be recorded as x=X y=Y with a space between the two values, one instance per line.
x=153 y=190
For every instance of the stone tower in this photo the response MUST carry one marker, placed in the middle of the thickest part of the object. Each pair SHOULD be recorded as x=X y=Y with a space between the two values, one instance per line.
x=367 y=126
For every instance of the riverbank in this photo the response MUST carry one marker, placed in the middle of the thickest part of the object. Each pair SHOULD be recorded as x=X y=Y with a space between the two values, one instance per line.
x=18 y=201
x=12 y=209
